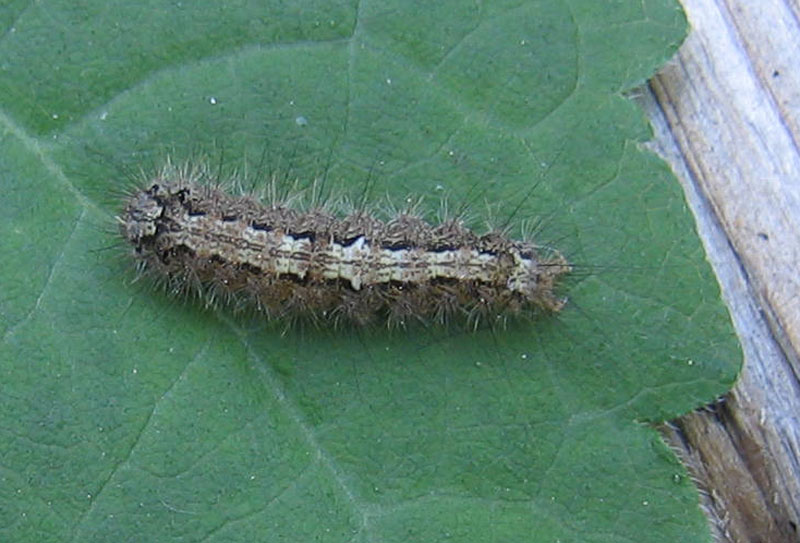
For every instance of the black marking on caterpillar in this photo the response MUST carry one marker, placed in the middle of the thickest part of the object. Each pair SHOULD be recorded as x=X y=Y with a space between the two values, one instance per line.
x=331 y=267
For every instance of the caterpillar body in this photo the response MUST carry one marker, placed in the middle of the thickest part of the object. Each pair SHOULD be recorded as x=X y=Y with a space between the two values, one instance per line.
x=316 y=264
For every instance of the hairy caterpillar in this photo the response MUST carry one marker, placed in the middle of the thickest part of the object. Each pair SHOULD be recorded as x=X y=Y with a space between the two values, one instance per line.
x=317 y=264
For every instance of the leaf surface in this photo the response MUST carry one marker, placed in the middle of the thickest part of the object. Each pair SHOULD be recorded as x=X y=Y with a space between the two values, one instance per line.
x=130 y=416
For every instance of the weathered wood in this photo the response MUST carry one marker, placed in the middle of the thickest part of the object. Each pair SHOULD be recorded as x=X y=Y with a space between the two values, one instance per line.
x=726 y=112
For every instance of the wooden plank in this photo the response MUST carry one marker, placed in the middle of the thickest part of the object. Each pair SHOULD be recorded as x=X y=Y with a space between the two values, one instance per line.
x=726 y=115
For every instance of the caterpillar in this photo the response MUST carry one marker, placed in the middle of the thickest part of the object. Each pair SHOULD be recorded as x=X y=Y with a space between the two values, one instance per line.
x=193 y=236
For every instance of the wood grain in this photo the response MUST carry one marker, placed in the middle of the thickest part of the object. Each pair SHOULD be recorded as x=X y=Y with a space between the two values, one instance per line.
x=726 y=115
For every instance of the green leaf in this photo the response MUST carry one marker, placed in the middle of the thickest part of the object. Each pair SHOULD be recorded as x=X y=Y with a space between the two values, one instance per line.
x=128 y=416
